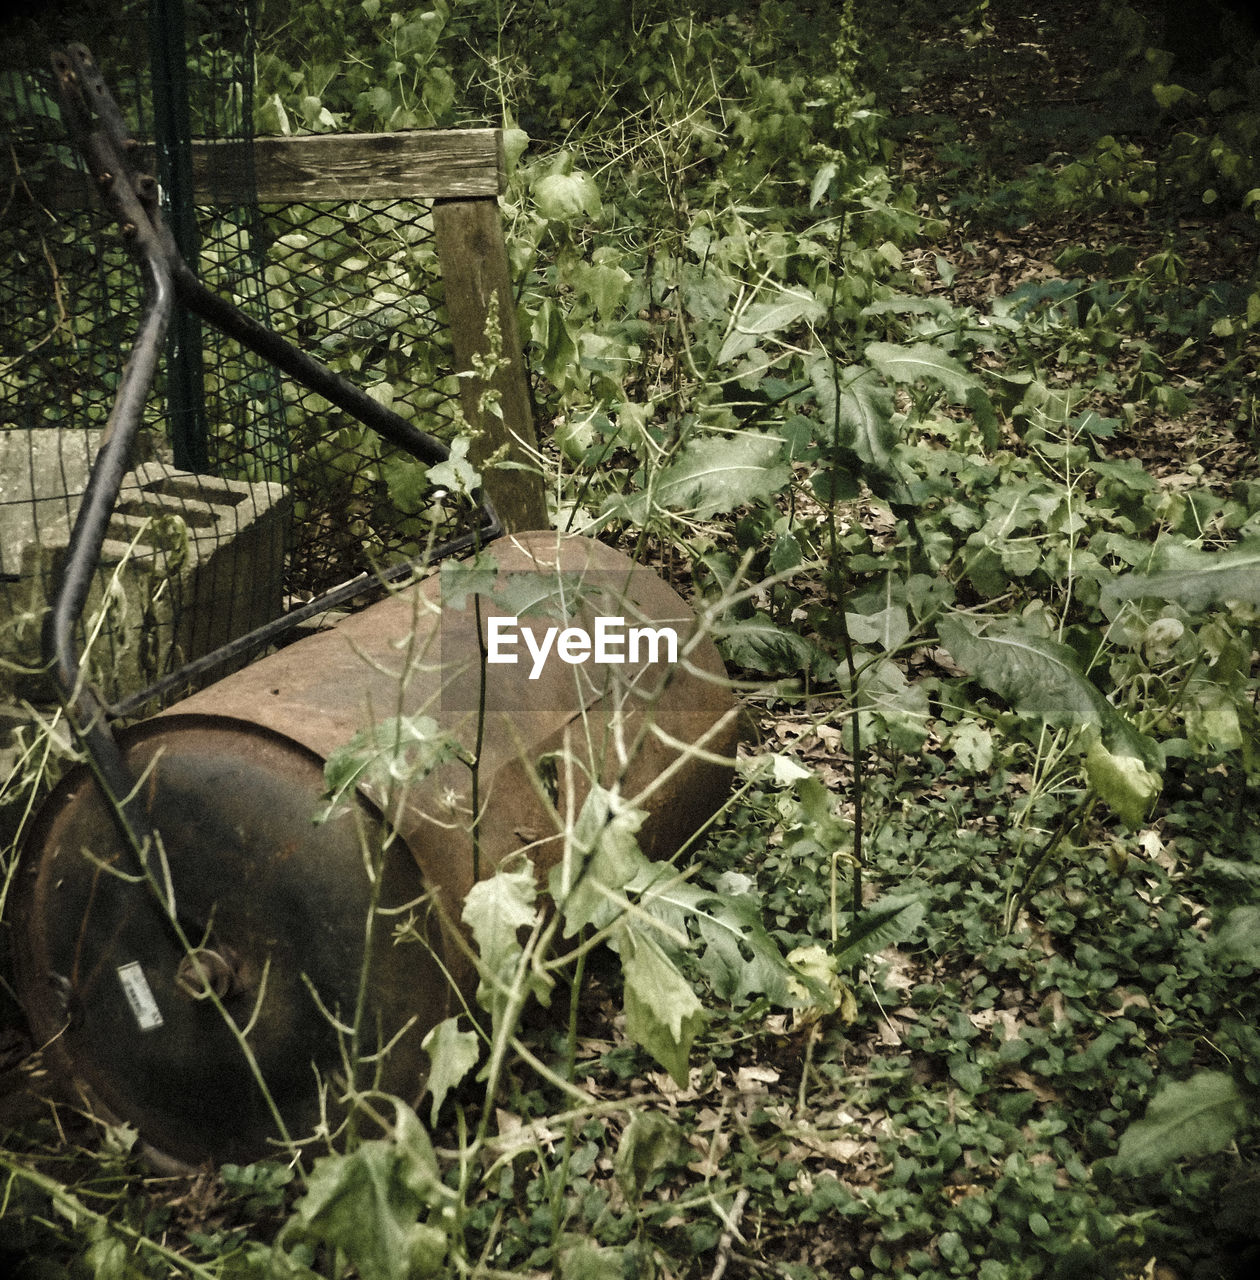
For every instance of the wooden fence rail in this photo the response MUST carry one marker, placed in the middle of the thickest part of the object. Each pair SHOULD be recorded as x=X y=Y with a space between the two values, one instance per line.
x=462 y=172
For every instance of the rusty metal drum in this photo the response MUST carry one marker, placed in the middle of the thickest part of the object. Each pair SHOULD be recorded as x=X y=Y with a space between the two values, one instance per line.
x=215 y=1003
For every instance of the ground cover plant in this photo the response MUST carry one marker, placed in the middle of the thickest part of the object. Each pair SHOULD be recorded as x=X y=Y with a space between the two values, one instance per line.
x=920 y=352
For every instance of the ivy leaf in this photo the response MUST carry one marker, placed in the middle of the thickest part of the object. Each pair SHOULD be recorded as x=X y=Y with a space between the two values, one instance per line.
x=1239 y=937
x=1196 y=580
x=922 y=360
x=1042 y=679
x=663 y=1014
x=602 y=858
x=366 y=1202
x=1190 y=1118
x=453 y=1054
x=495 y=909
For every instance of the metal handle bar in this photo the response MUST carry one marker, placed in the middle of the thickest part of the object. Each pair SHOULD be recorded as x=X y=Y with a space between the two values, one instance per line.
x=100 y=134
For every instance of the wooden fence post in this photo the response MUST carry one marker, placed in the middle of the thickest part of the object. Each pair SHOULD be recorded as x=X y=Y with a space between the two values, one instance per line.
x=474 y=263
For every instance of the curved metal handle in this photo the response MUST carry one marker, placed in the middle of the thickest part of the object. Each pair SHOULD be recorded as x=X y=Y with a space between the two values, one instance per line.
x=134 y=202
x=101 y=136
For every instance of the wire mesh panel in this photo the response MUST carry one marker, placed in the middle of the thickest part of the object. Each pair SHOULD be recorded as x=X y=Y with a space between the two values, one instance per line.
x=70 y=302
x=247 y=494
x=359 y=285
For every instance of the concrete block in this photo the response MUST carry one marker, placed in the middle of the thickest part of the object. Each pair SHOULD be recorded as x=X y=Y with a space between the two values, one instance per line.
x=189 y=563
x=42 y=477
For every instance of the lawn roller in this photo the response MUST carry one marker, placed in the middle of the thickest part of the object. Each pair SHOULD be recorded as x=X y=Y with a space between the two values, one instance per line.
x=235 y=905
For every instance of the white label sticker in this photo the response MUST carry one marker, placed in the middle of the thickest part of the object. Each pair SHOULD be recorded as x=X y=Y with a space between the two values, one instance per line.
x=140 y=996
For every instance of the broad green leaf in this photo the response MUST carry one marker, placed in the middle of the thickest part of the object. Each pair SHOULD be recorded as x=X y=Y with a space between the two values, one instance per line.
x=456 y=474
x=586 y=1260
x=717 y=475
x=495 y=910
x=427 y=1247
x=712 y=475
x=972 y=744
x=407 y=480
x=367 y=1202
x=663 y=1014
x=515 y=144
x=910 y=304
x=1239 y=937
x=1042 y=679
x=600 y=860
x=108 y=1257
x=822 y=180
x=1123 y=782
x=740 y=958
x=462 y=578
x=772 y=315
x=855 y=412
x=757 y=644
x=574 y=434
x=886 y=923
x=550 y=330
x=1191 y=1118
x=648 y=1143
x=663 y=895
x=397 y=751
x=1212 y=722
x=604 y=284
x=887 y=628
x=453 y=1054
x=922 y=360
x=1168 y=95
x=819 y=990
x=567 y=197
x=1196 y=580
x=270 y=117
x=902 y=707
x=1242 y=873
x=984 y=415
x=866 y=420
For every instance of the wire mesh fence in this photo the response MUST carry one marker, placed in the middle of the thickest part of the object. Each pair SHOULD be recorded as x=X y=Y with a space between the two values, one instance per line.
x=248 y=494
x=359 y=285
